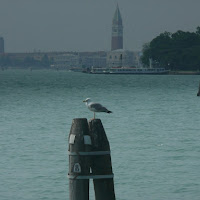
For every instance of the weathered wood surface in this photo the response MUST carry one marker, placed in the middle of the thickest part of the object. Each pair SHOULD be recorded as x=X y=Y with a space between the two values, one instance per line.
x=78 y=165
x=89 y=157
x=198 y=93
x=101 y=165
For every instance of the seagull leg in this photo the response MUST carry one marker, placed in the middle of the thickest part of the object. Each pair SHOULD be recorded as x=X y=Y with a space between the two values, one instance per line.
x=94 y=115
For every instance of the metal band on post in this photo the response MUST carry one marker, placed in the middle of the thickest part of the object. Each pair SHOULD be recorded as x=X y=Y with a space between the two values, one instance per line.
x=92 y=153
x=91 y=176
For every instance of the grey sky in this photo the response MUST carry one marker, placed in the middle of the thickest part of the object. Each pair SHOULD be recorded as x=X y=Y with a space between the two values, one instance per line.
x=85 y=25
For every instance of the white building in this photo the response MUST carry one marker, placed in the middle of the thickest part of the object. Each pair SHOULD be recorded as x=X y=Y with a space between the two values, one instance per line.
x=93 y=59
x=122 y=58
x=66 y=60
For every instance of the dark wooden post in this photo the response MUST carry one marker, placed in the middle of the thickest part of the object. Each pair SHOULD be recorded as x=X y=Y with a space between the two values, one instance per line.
x=79 y=162
x=101 y=164
x=198 y=93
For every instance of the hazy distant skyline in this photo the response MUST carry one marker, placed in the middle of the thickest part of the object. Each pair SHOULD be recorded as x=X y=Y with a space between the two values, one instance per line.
x=85 y=25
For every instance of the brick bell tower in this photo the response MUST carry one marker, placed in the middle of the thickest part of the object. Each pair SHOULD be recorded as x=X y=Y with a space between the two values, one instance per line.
x=117 y=31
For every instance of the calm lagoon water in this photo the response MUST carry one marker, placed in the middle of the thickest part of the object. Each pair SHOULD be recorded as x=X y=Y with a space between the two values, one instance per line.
x=154 y=133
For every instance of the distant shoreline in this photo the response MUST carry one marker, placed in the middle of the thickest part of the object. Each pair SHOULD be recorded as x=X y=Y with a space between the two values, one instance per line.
x=184 y=72
x=36 y=69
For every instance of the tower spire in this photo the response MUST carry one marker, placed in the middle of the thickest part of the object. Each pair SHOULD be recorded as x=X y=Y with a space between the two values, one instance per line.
x=117 y=30
x=117 y=19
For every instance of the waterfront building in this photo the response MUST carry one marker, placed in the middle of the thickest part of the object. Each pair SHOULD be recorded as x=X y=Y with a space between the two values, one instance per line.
x=93 y=59
x=119 y=57
x=122 y=58
x=1 y=45
x=66 y=60
x=69 y=60
x=117 y=31
x=36 y=55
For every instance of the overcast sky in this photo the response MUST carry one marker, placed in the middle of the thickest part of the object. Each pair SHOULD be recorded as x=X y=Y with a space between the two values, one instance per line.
x=85 y=25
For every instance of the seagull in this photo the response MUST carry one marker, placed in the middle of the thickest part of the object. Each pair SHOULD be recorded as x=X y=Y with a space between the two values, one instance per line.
x=95 y=107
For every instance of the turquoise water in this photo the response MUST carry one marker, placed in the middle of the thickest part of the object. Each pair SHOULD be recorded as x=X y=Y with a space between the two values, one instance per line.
x=154 y=133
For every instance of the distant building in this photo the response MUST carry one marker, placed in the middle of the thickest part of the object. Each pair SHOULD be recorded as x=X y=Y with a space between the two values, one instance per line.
x=117 y=31
x=69 y=60
x=22 y=56
x=1 y=45
x=122 y=58
x=93 y=59
x=66 y=60
x=118 y=57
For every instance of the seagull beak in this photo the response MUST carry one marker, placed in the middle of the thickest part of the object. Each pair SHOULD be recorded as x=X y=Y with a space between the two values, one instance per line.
x=84 y=101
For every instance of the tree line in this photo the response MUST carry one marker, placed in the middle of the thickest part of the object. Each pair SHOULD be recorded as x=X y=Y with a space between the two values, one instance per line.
x=174 y=51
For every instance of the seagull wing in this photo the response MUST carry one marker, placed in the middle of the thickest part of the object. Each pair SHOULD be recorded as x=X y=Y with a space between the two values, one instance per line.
x=96 y=107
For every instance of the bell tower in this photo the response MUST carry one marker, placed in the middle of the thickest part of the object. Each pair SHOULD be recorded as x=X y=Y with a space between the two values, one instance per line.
x=117 y=31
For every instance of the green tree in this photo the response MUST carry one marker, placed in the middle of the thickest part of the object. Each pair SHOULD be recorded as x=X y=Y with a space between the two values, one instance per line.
x=177 y=51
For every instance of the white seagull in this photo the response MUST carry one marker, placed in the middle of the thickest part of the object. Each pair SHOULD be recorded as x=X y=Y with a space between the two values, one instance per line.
x=95 y=107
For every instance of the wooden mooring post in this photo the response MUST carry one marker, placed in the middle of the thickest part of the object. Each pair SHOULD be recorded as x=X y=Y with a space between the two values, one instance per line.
x=79 y=164
x=198 y=93
x=89 y=158
x=101 y=165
